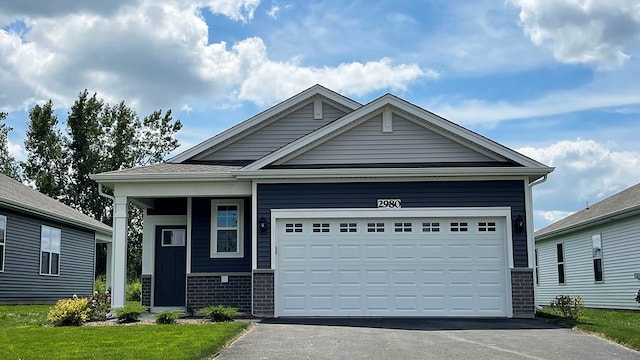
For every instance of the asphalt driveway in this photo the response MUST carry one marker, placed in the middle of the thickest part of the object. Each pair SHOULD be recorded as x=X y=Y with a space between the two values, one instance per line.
x=491 y=339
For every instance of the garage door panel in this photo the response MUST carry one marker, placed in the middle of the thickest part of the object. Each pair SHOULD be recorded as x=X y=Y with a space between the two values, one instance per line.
x=397 y=269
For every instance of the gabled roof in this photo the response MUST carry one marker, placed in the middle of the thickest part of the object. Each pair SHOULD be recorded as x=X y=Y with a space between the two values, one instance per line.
x=622 y=204
x=253 y=122
x=167 y=172
x=449 y=129
x=19 y=197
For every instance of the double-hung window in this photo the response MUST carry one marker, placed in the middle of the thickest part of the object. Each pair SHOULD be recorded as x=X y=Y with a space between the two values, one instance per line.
x=3 y=240
x=560 y=254
x=596 y=241
x=50 y=251
x=226 y=228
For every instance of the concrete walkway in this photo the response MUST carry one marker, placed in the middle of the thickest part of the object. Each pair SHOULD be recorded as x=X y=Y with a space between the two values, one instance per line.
x=352 y=339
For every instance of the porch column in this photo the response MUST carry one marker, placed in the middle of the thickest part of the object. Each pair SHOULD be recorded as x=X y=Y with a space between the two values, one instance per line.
x=119 y=259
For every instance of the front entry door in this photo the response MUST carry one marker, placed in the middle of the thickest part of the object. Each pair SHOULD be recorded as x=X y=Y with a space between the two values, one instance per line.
x=170 y=266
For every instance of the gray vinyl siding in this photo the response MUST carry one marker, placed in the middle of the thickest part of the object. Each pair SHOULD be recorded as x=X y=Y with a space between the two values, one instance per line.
x=21 y=281
x=408 y=143
x=273 y=136
x=412 y=194
x=620 y=259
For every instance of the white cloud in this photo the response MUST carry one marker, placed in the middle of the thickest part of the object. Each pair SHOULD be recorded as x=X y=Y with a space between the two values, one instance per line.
x=583 y=31
x=156 y=54
x=586 y=171
x=16 y=150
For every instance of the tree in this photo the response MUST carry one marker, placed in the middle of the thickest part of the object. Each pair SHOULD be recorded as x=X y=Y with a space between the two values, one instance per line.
x=46 y=163
x=8 y=164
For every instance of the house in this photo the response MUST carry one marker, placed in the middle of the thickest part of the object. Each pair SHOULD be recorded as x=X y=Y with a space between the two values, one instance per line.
x=321 y=206
x=47 y=249
x=593 y=253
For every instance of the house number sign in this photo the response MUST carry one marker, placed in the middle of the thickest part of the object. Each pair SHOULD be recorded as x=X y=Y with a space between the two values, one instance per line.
x=390 y=203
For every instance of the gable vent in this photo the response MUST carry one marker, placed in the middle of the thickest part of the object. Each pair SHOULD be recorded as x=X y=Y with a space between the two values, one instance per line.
x=387 y=121
x=317 y=109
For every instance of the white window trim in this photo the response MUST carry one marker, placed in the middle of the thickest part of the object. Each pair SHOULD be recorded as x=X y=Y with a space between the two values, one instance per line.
x=214 y=229
x=594 y=257
x=48 y=273
x=563 y=262
x=3 y=240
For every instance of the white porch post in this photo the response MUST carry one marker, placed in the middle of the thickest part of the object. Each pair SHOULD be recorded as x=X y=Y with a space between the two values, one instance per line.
x=119 y=260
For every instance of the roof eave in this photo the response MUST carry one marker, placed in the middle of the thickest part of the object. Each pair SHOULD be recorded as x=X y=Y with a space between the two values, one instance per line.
x=56 y=217
x=106 y=178
x=531 y=173
x=635 y=210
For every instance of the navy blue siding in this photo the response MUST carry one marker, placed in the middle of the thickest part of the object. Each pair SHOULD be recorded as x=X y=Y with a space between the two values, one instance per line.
x=201 y=262
x=168 y=206
x=21 y=281
x=413 y=194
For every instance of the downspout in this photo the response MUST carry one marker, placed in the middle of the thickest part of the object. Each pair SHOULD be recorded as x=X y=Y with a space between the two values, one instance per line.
x=537 y=182
x=103 y=194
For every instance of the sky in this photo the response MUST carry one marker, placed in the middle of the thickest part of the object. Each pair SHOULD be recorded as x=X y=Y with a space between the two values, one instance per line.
x=556 y=80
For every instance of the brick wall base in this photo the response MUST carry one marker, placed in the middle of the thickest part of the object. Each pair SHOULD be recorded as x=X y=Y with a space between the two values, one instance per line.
x=205 y=290
x=522 y=296
x=145 y=281
x=263 y=294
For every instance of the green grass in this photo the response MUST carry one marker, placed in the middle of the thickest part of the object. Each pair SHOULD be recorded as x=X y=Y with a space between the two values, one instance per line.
x=23 y=336
x=622 y=327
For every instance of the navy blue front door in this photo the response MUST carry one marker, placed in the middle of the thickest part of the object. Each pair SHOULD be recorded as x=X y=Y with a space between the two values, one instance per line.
x=170 y=266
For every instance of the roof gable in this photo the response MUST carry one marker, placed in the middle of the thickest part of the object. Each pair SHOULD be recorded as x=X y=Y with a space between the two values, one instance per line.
x=474 y=146
x=271 y=129
x=17 y=196
x=624 y=203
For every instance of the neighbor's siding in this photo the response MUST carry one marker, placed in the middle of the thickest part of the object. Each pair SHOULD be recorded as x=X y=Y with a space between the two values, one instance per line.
x=21 y=281
x=273 y=136
x=412 y=194
x=408 y=143
x=201 y=262
x=620 y=259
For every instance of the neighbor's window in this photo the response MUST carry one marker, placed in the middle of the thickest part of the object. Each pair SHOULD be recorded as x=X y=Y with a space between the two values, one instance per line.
x=597 y=256
x=49 y=251
x=560 y=252
x=3 y=239
x=226 y=228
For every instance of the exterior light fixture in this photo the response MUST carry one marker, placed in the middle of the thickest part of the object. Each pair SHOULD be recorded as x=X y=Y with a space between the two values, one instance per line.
x=519 y=223
x=263 y=225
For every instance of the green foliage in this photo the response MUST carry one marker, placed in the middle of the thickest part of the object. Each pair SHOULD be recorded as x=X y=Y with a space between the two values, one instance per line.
x=100 y=285
x=167 y=317
x=8 y=164
x=219 y=313
x=100 y=305
x=70 y=312
x=134 y=291
x=23 y=338
x=130 y=312
x=569 y=307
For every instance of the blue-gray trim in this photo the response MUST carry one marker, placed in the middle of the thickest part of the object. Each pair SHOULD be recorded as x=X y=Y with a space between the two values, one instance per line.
x=201 y=262
x=413 y=194
x=21 y=281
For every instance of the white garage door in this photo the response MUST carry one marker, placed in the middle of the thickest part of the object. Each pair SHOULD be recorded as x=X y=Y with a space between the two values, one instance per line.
x=391 y=267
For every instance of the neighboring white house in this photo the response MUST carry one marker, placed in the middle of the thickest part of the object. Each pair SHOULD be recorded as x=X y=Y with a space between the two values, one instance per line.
x=593 y=253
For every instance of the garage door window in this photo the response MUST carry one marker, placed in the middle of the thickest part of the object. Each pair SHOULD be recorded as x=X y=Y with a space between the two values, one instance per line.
x=375 y=227
x=348 y=227
x=459 y=227
x=226 y=229
x=321 y=228
x=486 y=226
x=430 y=227
x=402 y=227
x=293 y=228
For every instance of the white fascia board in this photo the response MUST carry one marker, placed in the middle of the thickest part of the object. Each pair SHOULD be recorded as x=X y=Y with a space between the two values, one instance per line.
x=56 y=217
x=332 y=129
x=267 y=114
x=110 y=179
x=390 y=172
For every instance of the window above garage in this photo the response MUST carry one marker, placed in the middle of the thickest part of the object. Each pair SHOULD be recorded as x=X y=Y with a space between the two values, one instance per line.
x=226 y=229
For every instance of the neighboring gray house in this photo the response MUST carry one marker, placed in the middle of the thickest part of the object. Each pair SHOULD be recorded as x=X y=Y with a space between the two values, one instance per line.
x=321 y=206
x=47 y=249
x=593 y=253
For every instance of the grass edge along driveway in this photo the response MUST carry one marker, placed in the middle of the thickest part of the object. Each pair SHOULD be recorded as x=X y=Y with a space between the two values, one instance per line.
x=619 y=326
x=23 y=336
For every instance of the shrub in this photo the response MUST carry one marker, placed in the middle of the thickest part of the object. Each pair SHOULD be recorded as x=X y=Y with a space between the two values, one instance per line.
x=568 y=306
x=167 y=317
x=69 y=312
x=100 y=285
x=134 y=291
x=100 y=304
x=219 y=313
x=130 y=312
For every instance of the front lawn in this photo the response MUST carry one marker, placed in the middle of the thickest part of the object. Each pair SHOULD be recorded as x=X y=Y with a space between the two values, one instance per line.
x=622 y=327
x=23 y=336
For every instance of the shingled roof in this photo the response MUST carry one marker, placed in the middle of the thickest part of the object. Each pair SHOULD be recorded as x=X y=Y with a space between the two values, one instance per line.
x=623 y=203
x=19 y=197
